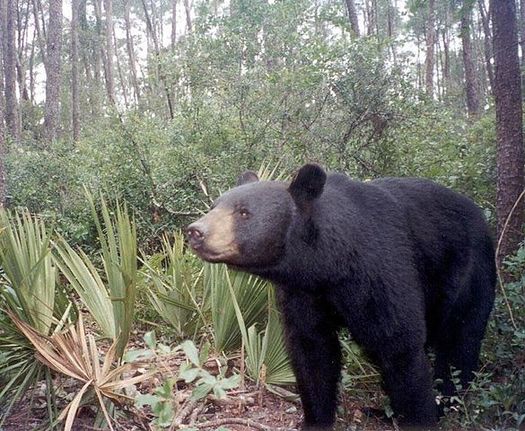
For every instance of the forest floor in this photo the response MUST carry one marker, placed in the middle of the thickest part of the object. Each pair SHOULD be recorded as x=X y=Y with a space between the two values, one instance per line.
x=246 y=408
x=258 y=411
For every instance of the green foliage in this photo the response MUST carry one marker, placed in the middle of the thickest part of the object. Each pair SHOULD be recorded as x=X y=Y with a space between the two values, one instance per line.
x=28 y=290
x=227 y=291
x=173 y=286
x=193 y=371
x=267 y=360
x=496 y=400
x=161 y=403
x=110 y=298
x=205 y=383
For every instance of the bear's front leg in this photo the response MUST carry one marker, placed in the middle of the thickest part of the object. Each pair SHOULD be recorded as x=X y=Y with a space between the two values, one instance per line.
x=315 y=353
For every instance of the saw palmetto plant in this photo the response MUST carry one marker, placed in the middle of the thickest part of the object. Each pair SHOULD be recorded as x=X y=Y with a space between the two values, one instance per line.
x=28 y=291
x=109 y=294
x=73 y=353
x=174 y=286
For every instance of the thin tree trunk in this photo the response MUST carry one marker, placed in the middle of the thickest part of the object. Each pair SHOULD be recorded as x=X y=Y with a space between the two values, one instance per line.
x=75 y=100
x=430 y=42
x=53 y=71
x=446 y=54
x=157 y=56
x=23 y=21
x=487 y=43
x=510 y=156
x=119 y=70
x=12 y=117
x=352 y=16
x=187 y=8
x=392 y=28
x=131 y=51
x=471 y=80
x=173 y=23
x=108 y=57
x=3 y=149
x=97 y=54
x=86 y=48
x=439 y=80
x=40 y=36
x=32 y=70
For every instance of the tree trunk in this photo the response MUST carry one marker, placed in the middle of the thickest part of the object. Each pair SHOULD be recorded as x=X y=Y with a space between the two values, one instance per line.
x=187 y=8
x=173 y=23
x=487 y=43
x=522 y=41
x=39 y=34
x=445 y=36
x=156 y=47
x=352 y=16
x=75 y=102
x=12 y=117
x=510 y=157
x=108 y=57
x=430 y=42
x=22 y=24
x=119 y=70
x=471 y=80
x=32 y=70
x=3 y=149
x=97 y=60
x=131 y=51
x=53 y=71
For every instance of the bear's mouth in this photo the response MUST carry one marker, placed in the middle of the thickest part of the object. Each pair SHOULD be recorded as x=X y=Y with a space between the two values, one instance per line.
x=224 y=256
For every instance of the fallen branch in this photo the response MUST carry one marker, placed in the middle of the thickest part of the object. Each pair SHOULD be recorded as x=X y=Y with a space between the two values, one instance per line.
x=232 y=401
x=238 y=421
x=195 y=414
x=184 y=412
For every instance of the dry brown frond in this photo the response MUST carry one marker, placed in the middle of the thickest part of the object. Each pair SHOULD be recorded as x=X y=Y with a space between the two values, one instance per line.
x=75 y=354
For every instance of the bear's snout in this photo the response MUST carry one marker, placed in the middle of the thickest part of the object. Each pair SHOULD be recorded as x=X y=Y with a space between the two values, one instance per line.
x=196 y=232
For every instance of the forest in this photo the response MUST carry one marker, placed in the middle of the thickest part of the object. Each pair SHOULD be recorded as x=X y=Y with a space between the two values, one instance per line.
x=121 y=121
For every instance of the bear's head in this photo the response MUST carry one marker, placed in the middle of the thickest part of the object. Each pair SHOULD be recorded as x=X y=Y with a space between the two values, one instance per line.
x=247 y=226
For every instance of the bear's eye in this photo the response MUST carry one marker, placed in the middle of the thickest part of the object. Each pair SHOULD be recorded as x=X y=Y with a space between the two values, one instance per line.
x=244 y=213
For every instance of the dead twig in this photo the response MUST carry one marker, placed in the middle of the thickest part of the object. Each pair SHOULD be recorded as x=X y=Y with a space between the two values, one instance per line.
x=195 y=414
x=184 y=412
x=238 y=421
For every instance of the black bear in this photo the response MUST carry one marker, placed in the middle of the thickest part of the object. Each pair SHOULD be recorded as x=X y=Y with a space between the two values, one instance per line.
x=403 y=263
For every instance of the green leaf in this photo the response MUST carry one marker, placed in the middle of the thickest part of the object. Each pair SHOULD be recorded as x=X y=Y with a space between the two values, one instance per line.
x=205 y=350
x=166 y=389
x=191 y=352
x=146 y=399
x=164 y=413
x=207 y=378
x=201 y=391
x=230 y=382
x=133 y=355
x=219 y=392
x=189 y=375
x=150 y=339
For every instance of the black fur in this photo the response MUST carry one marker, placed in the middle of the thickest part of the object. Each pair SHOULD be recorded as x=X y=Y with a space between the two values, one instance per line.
x=403 y=263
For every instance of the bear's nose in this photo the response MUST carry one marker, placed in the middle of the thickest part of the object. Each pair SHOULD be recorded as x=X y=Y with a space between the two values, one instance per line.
x=196 y=234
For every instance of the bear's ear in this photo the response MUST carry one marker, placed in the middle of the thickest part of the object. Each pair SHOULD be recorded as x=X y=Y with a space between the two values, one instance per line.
x=307 y=185
x=247 y=177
